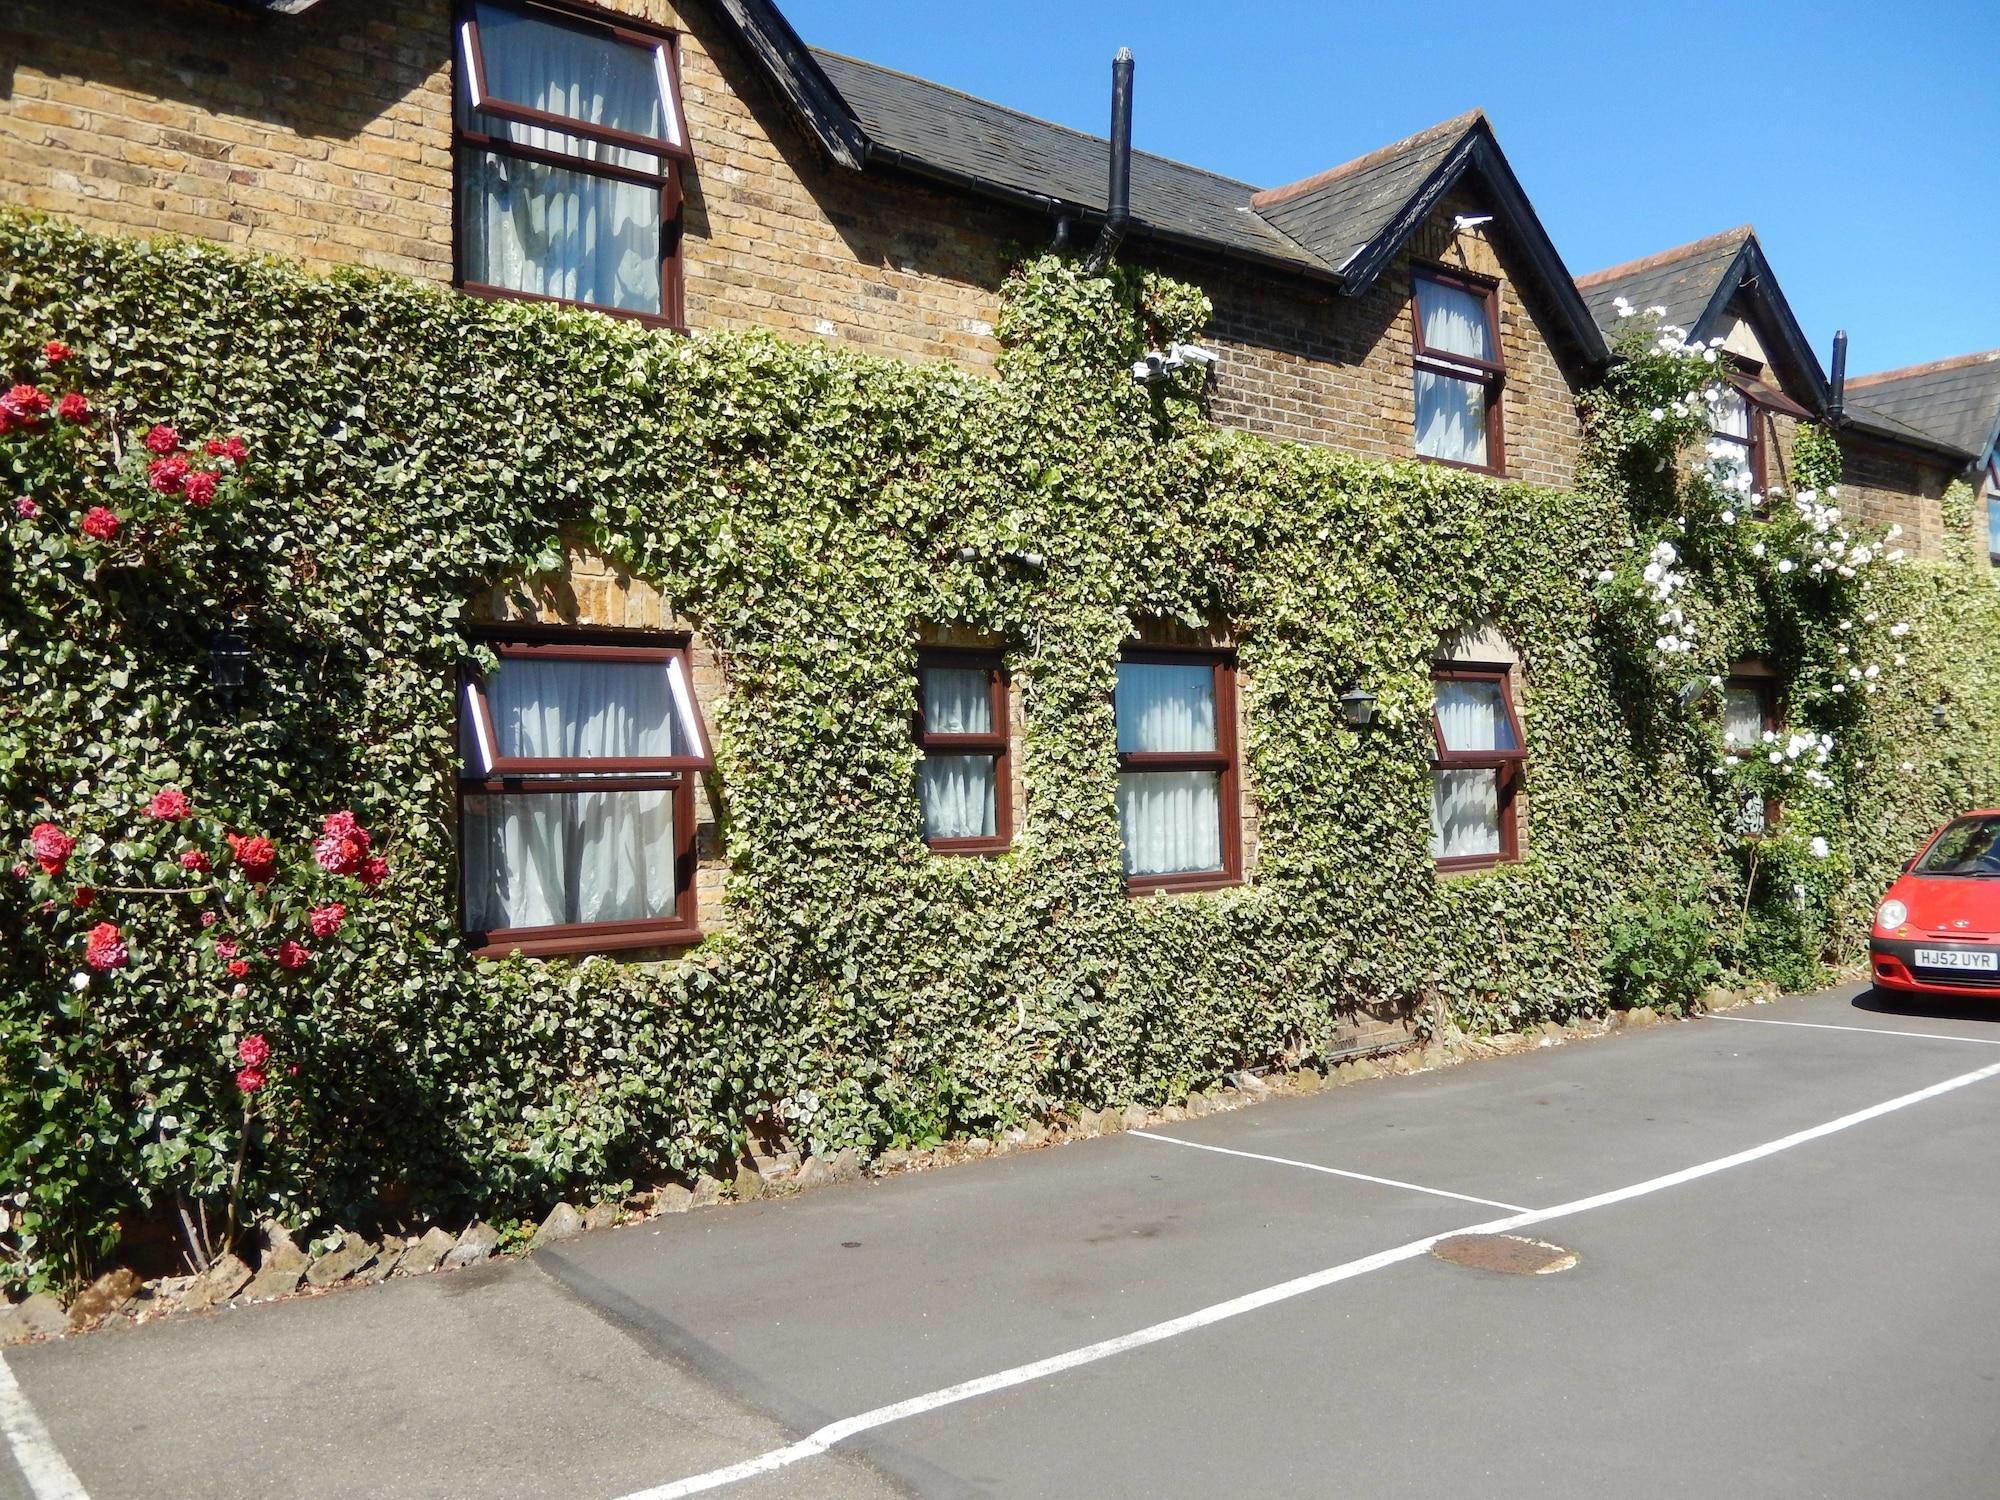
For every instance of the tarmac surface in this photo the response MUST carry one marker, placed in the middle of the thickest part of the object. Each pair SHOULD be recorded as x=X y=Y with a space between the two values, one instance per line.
x=1785 y=1240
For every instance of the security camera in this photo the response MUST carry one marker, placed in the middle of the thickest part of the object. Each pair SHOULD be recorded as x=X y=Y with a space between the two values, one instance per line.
x=1193 y=354
x=1152 y=367
x=1470 y=221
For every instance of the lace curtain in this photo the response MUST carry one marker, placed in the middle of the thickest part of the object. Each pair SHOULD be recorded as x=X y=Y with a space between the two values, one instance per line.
x=1171 y=821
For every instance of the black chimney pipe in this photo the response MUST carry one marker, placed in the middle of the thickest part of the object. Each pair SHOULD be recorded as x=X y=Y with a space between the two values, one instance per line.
x=1839 y=371
x=1118 y=206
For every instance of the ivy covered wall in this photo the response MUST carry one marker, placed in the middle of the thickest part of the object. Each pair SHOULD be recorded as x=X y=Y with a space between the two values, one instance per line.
x=811 y=512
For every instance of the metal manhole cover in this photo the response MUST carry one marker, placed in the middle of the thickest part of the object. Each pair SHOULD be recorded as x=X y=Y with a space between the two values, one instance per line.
x=1504 y=1252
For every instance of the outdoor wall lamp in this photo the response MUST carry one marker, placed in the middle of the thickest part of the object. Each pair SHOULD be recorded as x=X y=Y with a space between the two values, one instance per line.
x=1937 y=716
x=228 y=665
x=1357 y=707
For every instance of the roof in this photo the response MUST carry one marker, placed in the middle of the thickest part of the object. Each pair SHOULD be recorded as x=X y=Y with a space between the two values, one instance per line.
x=1955 y=401
x=1683 y=280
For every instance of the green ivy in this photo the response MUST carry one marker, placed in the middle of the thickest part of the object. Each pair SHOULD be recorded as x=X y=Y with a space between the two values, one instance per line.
x=811 y=510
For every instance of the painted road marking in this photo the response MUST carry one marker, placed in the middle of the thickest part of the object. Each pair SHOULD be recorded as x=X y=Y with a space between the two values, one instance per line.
x=41 y=1463
x=1286 y=1161
x=1927 y=1036
x=816 y=1443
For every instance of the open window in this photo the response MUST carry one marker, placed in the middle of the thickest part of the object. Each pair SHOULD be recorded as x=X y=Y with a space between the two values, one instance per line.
x=1476 y=766
x=1177 y=771
x=576 y=795
x=1460 y=370
x=965 y=780
x=570 y=134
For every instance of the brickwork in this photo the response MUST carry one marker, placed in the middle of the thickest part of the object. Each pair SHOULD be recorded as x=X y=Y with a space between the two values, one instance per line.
x=1881 y=485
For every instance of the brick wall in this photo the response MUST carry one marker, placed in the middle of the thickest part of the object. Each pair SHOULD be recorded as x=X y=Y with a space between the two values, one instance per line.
x=1887 y=487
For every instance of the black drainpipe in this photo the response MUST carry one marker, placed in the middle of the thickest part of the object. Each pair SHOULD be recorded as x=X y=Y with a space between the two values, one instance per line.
x=1118 y=207
x=1839 y=373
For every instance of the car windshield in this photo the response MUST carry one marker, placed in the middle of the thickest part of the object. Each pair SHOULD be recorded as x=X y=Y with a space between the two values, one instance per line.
x=1970 y=846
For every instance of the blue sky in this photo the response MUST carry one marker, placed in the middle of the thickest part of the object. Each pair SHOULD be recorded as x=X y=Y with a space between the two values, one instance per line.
x=1862 y=141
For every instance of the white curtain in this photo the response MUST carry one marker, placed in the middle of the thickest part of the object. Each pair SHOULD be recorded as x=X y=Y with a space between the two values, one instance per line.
x=958 y=795
x=1993 y=528
x=1465 y=813
x=1165 y=706
x=1472 y=717
x=532 y=227
x=1451 y=418
x=1455 y=321
x=1731 y=414
x=958 y=700
x=535 y=859
x=1171 y=821
x=1742 y=715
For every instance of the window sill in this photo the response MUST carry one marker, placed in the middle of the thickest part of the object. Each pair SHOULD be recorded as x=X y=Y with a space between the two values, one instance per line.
x=582 y=942
x=1206 y=880
x=1474 y=863
x=973 y=847
x=1492 y=471
x=507 y=294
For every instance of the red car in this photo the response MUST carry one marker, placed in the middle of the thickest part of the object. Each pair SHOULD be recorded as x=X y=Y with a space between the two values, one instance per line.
x=1937 y=932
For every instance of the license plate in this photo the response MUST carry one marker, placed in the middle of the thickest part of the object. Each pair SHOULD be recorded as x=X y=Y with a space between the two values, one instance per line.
x=1958 y=958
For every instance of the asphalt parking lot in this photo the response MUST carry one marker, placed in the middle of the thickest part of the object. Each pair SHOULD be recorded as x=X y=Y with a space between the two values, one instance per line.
x=1783 y=1223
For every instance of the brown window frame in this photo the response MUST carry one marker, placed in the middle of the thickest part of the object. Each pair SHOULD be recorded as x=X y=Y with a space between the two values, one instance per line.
x=1223 y=758
x=1510 y=764
x=1757 y=417
x=465 y=42
x=1761 y=679
x=518 y=776
x=1492 y=374
x=1992 y=498
x=998 y=745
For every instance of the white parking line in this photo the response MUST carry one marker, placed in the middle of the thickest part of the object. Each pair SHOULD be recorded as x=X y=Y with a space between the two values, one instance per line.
x=1927 y=1036
x=816 y=1443
x=1309 y=1166
x=35 y=1453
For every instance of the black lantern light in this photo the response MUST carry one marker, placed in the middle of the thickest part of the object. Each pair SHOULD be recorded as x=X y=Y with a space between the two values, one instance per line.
x=228 y=665
x=1357 y=707
x=1937 y=716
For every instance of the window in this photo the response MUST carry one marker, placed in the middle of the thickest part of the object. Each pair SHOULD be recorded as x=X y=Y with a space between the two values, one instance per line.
x=1459 y=370
x=1735 y=441
x=1476 y=771
x=1749 y=711
x=1177 y=776
x=576 y=802
x=962 y=726
x=569 y=136
x=1993 y=528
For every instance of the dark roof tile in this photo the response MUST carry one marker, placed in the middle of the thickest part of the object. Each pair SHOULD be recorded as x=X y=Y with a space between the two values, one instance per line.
x=1954 y=401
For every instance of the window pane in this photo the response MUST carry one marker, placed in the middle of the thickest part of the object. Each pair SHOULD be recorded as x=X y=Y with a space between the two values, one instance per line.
x=1451 y=418
x=544 y=709
x=1742 y=714
x=529 y=227
x=1465 y=814
x=1171 y=821
x=584 y=76
x=1731 y=414
x=539 y=860
x=1472 y=716
x=959 y=795
x=1750 y=818
x=1165 y=706
x=1993 y=527
x=1454 y=320
x=958 y=700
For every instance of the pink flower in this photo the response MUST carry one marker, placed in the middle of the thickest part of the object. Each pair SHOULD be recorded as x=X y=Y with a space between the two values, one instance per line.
x=75 y=407
x=26 y=509
x=55 y=351
x=100 y=523
x=21 y=871
x=226 y=948
x=231 y=448
x=104 y=949
x=200 y=487
x=292 y=955
x=326 y=919
x=342 y=844
x=256 y=855
x=249 y=1080
x=162 y=440
x=195 y=860
x=254 y=1050
x=374 y=870
x=167 y=475
x=171 y=805
x=51 y=847
x=208 y=919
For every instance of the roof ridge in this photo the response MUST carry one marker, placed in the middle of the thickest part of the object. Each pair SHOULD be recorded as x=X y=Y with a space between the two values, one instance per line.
x=1271 y=197
x=1906 y=372
x=1022 y=114
x=1667 y=257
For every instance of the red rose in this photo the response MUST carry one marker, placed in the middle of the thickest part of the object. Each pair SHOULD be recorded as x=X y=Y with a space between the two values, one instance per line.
x=103 y=949
x=26 y=509
x=326 y=919
x=200 y=486
x=100 y=523
x=226 y=948
x=74 y=407
x=171 y=804
x=256 y=856
x=20 y=871
x=167 y=475
x=238 y=967
x=55 y=351
x=208 y=918
x=231 y=448
x=374 y=870
x=162 y=440
x=254 y=1050
x=83 y=896
x=50 y=846
x=292 y=1070
x=25 y=403
x=342 y=844
x=249 y=1080
x=292 y=955
x=195 y=860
